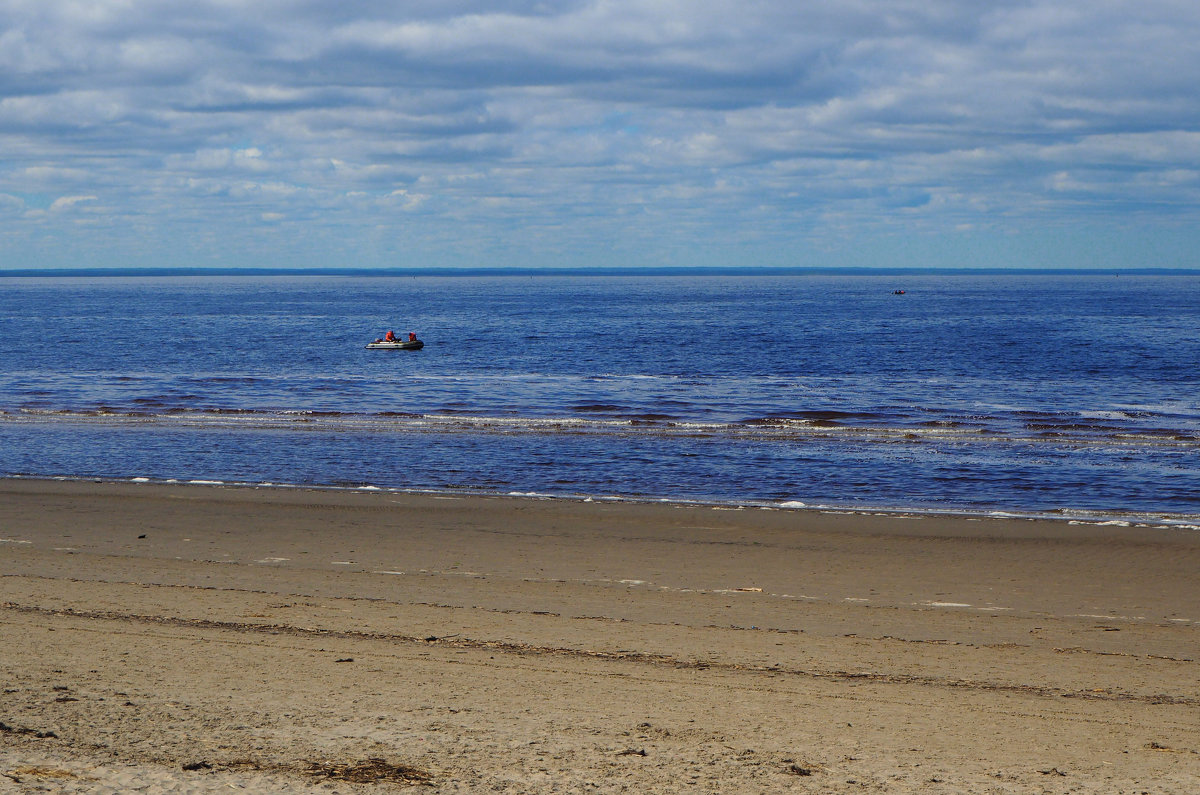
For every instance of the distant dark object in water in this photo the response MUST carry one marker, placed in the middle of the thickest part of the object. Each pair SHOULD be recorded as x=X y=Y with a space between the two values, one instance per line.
x=897 y=292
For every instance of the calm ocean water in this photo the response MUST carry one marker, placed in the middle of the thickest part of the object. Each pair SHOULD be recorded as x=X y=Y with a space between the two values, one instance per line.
x=1025 y=393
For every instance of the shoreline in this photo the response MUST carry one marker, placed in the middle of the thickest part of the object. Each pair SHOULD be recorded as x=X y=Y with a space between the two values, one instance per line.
x=533 y=645
x=1162 y=520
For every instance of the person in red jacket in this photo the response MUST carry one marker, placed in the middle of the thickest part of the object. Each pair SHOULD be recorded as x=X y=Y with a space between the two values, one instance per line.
x=412 y=337
x=389 y=337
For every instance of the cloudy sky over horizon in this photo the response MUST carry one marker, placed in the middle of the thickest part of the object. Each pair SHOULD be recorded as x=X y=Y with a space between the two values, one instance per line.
x=298 y=133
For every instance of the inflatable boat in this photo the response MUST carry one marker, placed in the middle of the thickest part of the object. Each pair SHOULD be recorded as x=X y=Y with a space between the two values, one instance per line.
x=398 y=345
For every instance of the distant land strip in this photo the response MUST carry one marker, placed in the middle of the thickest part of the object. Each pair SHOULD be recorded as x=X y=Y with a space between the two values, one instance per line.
x=616 y=271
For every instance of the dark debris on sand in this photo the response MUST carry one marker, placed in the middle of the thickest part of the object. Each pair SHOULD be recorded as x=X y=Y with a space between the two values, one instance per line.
x=368 y=771
x=6 y=729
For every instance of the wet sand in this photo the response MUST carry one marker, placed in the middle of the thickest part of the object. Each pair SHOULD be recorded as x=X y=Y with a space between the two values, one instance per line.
x=197 y=638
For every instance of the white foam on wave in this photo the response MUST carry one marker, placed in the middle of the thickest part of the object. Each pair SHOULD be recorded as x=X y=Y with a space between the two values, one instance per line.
x=207 y=482
x=793 y=504
x=518 y=423
x=637 y=377
x=1105 y=414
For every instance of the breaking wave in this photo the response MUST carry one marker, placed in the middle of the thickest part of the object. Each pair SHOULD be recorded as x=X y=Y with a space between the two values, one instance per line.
x=1138 y=429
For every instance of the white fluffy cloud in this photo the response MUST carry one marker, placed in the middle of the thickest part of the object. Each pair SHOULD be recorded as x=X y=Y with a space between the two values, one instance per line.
x=598 y=132
x=67 y=202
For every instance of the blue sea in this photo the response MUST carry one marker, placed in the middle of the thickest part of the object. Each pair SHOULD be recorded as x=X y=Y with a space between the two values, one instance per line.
x=1072 y=395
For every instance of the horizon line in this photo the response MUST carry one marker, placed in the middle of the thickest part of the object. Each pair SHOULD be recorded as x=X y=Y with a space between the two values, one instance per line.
x=679 y=270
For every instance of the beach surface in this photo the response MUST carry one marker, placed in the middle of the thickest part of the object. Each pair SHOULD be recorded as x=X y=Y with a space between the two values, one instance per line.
x=188 y=638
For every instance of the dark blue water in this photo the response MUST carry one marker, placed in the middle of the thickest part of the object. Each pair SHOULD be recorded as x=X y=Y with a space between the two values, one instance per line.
x=1015 y=392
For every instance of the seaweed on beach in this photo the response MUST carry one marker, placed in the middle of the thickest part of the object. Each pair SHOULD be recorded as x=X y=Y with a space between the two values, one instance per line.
x=41 y=773
x=365 y=771
x=368 y=771
x=41 y=735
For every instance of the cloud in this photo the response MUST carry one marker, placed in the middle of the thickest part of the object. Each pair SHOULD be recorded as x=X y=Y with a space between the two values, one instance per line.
x=575 y=125
x=221 y=160
x=67 y=202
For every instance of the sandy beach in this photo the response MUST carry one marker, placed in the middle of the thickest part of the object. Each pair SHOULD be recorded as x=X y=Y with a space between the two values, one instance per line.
x=172 y=638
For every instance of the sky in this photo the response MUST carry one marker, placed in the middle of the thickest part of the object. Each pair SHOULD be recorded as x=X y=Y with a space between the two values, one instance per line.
x=599 y=133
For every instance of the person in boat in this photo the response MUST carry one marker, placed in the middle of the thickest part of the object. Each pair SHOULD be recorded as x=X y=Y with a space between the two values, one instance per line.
x=389 y=337
x=412 y=337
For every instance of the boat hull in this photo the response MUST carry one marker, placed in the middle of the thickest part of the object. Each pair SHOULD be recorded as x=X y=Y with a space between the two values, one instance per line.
x=406 y=345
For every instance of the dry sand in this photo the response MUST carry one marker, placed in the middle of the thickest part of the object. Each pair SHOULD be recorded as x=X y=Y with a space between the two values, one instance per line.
x=196 y=639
